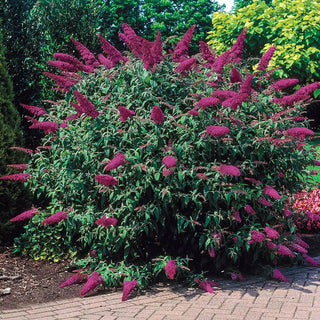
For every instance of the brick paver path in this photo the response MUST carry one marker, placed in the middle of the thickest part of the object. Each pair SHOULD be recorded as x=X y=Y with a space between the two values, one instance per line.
x=255 y=299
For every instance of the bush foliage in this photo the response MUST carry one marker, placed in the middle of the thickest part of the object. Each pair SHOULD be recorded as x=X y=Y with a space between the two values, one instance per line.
x=160 y=164
x=290 y=25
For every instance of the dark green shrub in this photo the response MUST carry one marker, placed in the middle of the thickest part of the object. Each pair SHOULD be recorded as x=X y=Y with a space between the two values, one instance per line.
x=153 y=165
x=11 y=192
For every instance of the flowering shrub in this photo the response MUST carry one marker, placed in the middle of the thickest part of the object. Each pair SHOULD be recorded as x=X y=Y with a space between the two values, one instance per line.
x=162 y=170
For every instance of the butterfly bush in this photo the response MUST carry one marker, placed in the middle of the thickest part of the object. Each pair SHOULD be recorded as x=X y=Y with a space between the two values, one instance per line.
x=171 y=166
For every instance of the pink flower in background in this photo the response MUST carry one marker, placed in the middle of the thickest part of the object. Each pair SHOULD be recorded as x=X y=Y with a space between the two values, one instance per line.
x=308 y=89
x=25 y=150
x=249 y=209
x=125 y=113
x=46 y=126
x=25 y=215
x=256 y=236
x=299 y=132
x=113 y=54
x=237 y=48
x=17 y=176
x=106 y=180
x=86 y=105
x=186 y=65
x=271 y=245
x=116 y=162
x=106 y=222
x=166 y=172
x=216 y=131
x=157 y=116
x=63 y=66
x=206 y=285
x=229 y=170
x=245 y=87
x=105 y=61
x=93 y=281
x=20 y=166
x=171 y=269
x=237 y=276
x=193 y=112
x=77 y=278
x=34 y=110
x=285 y=251
x=86 y=54
x=301 y=243
x=278 y=275
x=253 y=181
x=264 y=202
x=221 y=61
x=207 y=102
x=235 y=101
x=62 y=83
x=311 y=261
x=181 y=50
x=224 y=94
x=271 y=233
x=211 y=252
x=55 y=218
x=289 y=100
x=207 y=53
x=235 y=76
x=283 y=84
x=265 y=59
x=297 y=247
x=236 y=215
x=73 y=61
x=169 y=161
x=269 y=191
x=128 y=286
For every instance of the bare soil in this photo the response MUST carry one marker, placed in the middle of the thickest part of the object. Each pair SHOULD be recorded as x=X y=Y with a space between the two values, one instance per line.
x=32 y=282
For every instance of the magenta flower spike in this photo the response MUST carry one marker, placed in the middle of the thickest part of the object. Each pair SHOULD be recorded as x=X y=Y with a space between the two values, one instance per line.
x=216 y=131
x=308 y=89
x=93 y=281
x=207 y=53
x=186 y=65
x=265 y=59
x=237 y=48
x=271 y=233
x=264 y=202
x=299 y=132
x=125 y=113
x=17 y=176
x=86 y=54
x=106 y=180
x=296 y=247
x=157 y=116
x=206 y=285
x=105 y=61
x=86 y=105
x=169 y=162
x=25 y=150
x=279 y=276
x=166 y=172
x=62 y=83
x=311 y=261
x=20 y=166
x=301 y=243
x=220 y=62
x=181 y=50
x=73 y=61
x=229 y=170
x=63 y=66
x=249 y=209
x=211 y=252
x=25 y=215
x=235 y=76
x=46 y=126
x=285 y=251
x=77 y=278
x=34 y=110
x=290 y=100
x=128 y=286
x=171 y=269
x=55 y=218
x=224 y=94
x=283 y=84
x=207 y=102
x=193 y=112
x=256 y=236
x=269 y=191
x=106 y=222
x=116 y=162
x=235 y=101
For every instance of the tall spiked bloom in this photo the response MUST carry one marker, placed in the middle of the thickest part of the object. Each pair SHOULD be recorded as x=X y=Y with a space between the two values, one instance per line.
x=207 y=102
x=308 y=89
x=185 y=65
x=93 y=281
x=157 y=116
x=46 y=126
x=25 y=215
x=113 y=54
x=235 y=76
x=106 y=180
x=116 y=162
x=61 y=81
x=220 y=62
x=55 y=218
x=125 y=113
x=269 y=191
x=256 y=236
x=86 y=105
x=279 y=276
x=181 y=50
x=265 y=59
x=207 y=53
x=229 y=170
x=283 y=84
x=206 y=285
x=171 y=269
x=237 y=48
x=216 y=131
x=34 y=110
x=17 y=176
x=86 y=54
x=105 y=61
x=73 y=61
x=106 y=222
x=128 y=286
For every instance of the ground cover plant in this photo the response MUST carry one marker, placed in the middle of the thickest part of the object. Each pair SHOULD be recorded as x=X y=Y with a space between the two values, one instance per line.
x=159 y=165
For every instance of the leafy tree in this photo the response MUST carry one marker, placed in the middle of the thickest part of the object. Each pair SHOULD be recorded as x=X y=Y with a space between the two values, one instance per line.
x=238 y=4
x=11 y=192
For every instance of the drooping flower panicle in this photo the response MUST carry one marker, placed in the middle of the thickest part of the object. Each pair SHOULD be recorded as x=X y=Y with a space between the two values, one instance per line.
x=171 y=269
x=55 y=218
x=93 y=281
x=128 y=286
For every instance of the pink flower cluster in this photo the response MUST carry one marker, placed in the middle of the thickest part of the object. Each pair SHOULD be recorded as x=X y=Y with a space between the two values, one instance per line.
x=55 y=218
x=171 y=269
x=106 y=222
x=229 y=170
x=180 y=52
x=25 y=215
x=116 y=162
x=93 y=281
x=106 y=180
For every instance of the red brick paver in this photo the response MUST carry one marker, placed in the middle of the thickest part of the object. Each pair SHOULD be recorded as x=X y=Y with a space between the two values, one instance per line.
x=255 y=299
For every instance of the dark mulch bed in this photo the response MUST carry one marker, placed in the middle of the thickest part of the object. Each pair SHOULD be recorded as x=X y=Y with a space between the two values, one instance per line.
x=32 y=281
